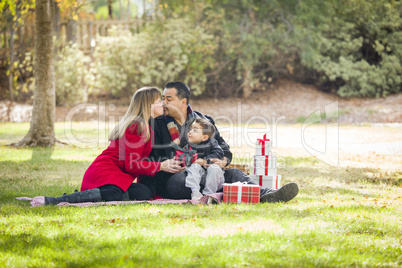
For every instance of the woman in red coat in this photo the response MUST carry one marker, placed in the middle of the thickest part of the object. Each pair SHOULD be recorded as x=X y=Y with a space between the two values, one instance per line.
x=110 y=177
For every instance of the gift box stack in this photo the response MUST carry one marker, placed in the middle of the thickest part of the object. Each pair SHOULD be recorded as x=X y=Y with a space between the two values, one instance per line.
x=264 y=174
x=265 y=165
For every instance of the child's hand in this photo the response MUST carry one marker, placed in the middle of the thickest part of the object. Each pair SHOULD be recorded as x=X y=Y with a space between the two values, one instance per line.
x=200 y=161
x=221 y=163
x=206 y=165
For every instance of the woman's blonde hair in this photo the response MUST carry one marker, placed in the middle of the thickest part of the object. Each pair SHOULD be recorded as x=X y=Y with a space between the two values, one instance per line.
x=138 y=112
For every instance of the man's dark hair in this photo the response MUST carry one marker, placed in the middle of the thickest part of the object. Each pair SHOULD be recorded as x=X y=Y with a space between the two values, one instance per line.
x=207 y=127
x=182 y=90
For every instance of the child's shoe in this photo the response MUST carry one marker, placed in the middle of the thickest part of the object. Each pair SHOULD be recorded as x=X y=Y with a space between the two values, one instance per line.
x=196 y=195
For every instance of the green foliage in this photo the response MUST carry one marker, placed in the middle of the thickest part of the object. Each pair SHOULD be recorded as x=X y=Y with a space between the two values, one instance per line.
x=352 y=47
x=359 y=47
x=253 y=45
x=23 y=71
x=74 y=75
x=102 y=10
x=160 y=53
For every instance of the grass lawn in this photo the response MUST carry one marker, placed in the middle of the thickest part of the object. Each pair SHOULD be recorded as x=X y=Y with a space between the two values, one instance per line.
x=341 y=217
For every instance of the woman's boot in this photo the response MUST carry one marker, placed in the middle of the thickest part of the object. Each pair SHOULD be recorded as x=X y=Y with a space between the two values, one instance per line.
x=92 y=195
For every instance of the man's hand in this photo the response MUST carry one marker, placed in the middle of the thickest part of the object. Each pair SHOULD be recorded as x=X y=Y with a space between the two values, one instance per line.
x=222 y=163
x=171 y=166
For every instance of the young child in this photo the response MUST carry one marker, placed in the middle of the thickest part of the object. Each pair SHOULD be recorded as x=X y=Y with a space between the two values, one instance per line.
x=200 y=138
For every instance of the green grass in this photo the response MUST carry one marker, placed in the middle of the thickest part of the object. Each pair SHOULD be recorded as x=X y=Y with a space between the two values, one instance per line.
x=341 y=217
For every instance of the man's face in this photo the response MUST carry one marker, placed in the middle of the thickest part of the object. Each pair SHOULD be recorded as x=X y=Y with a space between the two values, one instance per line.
x=195 y=134
x=172 y=105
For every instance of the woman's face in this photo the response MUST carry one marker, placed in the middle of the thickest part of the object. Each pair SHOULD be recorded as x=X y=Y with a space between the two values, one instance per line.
x=157 y=108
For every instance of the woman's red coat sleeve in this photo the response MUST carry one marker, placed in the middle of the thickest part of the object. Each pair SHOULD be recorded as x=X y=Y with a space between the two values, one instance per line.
x=134 y=145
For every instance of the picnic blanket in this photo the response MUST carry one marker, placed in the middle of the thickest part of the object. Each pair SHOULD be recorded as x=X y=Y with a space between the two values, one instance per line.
x=40 y=201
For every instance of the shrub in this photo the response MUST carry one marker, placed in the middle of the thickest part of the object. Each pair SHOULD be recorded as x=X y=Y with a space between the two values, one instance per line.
x=160 y=53
x=359 y=48
x=74 y=76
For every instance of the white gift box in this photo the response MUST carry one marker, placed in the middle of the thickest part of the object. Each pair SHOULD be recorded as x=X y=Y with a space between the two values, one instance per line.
x=262 y=147
x=265 y=165
x=271 y=182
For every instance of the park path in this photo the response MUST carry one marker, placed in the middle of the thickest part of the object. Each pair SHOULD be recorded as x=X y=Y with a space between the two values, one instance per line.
x=359 y=146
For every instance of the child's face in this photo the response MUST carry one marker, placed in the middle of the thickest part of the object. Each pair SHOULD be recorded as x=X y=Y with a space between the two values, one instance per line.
x=195 y=134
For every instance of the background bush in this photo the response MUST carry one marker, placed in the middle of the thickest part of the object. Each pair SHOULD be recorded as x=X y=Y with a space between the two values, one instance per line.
x=75 y=76
x=360 y=47
x=173 y=50
x=230 y=48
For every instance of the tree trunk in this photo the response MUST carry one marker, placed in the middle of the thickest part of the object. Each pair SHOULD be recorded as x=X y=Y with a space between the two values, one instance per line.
x=121 y=10
x=109 y=3
x=41 y=132
x=128 y=15
x=56 y=20
x=71 y=31
x=11 y=67
x=247 y=78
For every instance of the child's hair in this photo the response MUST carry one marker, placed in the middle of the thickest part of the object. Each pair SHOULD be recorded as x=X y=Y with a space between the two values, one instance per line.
x=207 y=127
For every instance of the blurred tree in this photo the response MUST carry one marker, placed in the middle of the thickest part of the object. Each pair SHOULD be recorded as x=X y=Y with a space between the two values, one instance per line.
x=41 y=132
x=254 y=40
x=13 y=16
x=233 y=47
x=110 y=8
x=122 y=9
x=70 y=10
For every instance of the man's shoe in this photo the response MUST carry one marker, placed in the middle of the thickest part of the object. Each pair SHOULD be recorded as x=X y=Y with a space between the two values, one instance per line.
x=283 y=194
x=92 y=195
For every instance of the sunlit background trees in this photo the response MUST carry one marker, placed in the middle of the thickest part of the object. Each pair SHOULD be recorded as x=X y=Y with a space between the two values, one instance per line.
x=218 y=47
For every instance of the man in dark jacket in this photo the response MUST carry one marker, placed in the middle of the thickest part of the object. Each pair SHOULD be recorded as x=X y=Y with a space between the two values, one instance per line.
x=174 y=126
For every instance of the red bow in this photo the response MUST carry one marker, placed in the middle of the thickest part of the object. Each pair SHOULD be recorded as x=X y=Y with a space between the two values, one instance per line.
x=263 y=140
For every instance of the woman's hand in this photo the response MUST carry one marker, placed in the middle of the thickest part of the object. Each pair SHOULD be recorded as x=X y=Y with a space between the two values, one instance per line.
x=171 y=166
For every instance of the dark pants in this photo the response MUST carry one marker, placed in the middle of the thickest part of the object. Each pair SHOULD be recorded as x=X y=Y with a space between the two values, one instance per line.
x=136 y=191
x=174 y=187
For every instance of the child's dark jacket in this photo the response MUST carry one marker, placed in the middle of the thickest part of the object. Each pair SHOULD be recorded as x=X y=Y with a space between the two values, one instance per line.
x=208 y=149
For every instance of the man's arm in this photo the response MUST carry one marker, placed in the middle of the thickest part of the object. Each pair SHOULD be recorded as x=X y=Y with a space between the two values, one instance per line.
x=222 y=143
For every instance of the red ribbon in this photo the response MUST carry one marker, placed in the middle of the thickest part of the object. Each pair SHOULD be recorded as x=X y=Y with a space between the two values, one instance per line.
x=265 y=166
x=255 y=165
x=262 y=142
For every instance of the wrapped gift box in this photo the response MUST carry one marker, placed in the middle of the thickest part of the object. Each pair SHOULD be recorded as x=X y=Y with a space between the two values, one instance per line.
x=241 y=193
x=265 y=165
x=178 y=156
x=272 y=182
x=263 y=146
